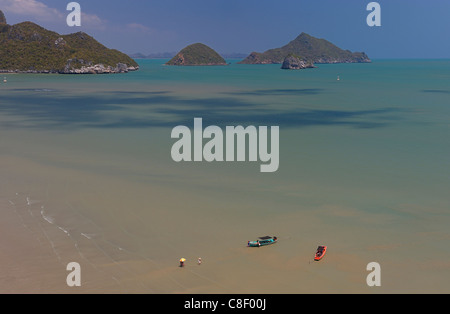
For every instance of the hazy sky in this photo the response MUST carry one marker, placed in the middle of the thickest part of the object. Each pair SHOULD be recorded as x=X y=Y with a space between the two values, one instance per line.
x=410 y=28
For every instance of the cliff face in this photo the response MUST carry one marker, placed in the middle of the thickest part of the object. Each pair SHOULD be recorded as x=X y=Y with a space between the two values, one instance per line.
x=197 y=54
x=293 y=62
x=28 y=47
x=2 y=18
x=310 y=48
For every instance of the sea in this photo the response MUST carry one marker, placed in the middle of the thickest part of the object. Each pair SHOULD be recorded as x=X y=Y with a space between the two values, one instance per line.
x=87 y=177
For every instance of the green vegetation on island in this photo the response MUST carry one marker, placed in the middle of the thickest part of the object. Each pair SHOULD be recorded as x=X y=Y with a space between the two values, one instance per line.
x=28 y=47
x=197 y=54
x=309 y=48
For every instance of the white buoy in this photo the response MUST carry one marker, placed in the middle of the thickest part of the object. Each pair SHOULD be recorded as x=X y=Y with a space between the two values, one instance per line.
x=338 y=78
x=4 y=80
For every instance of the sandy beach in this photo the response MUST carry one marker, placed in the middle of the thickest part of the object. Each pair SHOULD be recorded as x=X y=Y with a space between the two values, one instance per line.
x=128 y=238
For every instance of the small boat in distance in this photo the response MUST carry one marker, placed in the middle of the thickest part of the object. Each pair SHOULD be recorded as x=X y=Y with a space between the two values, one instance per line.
x=267 y=240
x=321 y=250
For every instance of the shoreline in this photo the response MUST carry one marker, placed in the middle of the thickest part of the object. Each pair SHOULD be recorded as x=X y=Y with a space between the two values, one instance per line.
x=27 y=267
x=84 y=70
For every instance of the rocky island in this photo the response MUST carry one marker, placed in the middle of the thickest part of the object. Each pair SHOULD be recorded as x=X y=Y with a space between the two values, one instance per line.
x=29 y=48
x=310 y=48
x=197 y=54
x=293 y=62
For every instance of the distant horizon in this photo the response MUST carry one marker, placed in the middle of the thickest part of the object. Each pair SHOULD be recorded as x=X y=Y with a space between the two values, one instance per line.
x=373 y=59
x=252 y=25
x=246 y=54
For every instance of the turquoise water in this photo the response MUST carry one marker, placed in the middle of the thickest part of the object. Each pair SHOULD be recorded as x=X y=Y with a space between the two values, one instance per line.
x=363 y=159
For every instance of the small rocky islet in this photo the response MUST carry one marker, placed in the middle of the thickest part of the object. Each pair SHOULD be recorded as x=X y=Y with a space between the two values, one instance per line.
x=293 y=62
x=197 y=54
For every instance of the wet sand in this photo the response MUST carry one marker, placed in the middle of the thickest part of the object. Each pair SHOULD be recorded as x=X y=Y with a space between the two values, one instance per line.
x=128 y=237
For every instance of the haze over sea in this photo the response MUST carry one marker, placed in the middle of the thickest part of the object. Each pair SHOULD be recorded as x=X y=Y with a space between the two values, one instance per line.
x=86 y=176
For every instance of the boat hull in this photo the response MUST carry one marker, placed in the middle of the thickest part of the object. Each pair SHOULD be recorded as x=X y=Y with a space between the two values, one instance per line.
x=261 y=243
x=320 y=253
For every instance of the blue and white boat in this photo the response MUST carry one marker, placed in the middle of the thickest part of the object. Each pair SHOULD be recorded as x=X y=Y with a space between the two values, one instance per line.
x=267 y=240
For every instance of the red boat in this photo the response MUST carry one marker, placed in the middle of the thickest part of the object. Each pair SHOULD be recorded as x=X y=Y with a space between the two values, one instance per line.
x=321 y=250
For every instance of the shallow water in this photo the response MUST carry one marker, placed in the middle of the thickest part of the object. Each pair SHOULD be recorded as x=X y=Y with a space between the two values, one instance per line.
x=87 y=177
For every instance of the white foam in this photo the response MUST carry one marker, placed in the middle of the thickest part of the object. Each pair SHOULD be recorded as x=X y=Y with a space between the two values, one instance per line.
x=89 y=237
x=64 y=230
x=32 y=202
x=49 y=219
